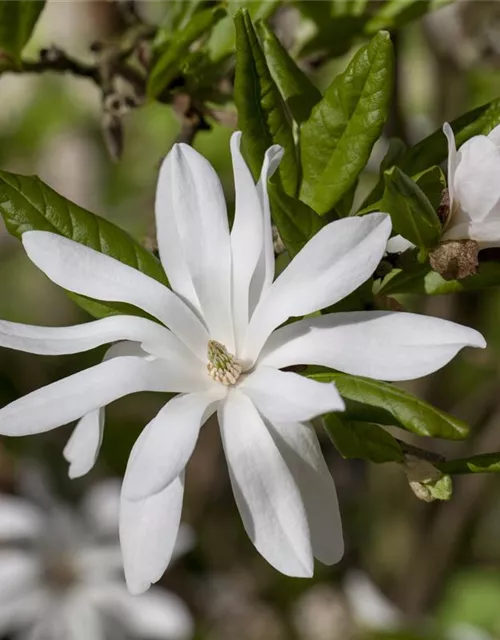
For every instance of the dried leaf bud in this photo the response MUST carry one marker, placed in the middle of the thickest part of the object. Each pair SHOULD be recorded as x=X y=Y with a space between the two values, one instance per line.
x=443 y=210
x=426 y=481
x=455 y=259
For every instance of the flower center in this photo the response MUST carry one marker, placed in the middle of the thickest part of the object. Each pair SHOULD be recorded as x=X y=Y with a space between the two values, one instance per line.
x=222 y=366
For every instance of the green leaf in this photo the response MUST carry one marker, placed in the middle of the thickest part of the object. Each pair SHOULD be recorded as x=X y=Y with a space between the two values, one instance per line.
x=17 y=21
x=27 y=204
x=362 y=440
x=433 y=150
x=298 y=91
x=177 y=49
x=296 y=222
x=423 y=280
x=370 y=400
x=411 y=212
x=222 y=41
x=396 y=13
x=262 y=114
x=482 y=463
x=337 y=139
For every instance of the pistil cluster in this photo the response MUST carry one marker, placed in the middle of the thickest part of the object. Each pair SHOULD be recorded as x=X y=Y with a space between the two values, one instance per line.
x=222 y=366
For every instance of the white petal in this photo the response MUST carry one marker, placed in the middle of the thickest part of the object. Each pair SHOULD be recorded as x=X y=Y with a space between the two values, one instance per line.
x=398 y=244
x=18 y=519
x=378 y=344
x=247 y=239
x=148 y=532
x=71 y=398
x=495 y=135
x=264 y=272
x=83 y=337
x=485 y=233
x=337 y=260
x=101 y=505
x=452 y=160
x=76 y=618
x=100 y=563
x=288 y=397
x=24 y=609
x=301 y=450
x=82 y=270
x=265 y=491
x=476 y=182
x=157 y=614
x=199 y=209
x=370 y=607
x=164 y=447
x=83 y=446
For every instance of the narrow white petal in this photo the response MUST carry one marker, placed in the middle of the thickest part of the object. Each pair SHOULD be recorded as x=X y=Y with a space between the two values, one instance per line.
x=82 y=270
x=84 y=444
x=337 y=260
x=18 y=519
x=452 y=159
x=378 y=344
x=398 y=244
x=76 y=618
x=164 y=447
x=476 y=184
x=148 y=532
x=247 y=239
x=201 y=219
x=71 y=398
x=264 y=271
x=288 y=397
x=301 y=450
x=78 y=338
x=155 y=615
x=265 y=491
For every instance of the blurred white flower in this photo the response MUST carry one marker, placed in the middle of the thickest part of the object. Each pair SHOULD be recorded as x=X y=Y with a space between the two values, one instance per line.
x=370 y=608
x=223 y=351
x=61 y=576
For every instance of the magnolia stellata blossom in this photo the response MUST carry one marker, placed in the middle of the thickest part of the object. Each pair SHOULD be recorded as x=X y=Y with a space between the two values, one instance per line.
x=473 y=208
x=223 y=351
x=61 y=575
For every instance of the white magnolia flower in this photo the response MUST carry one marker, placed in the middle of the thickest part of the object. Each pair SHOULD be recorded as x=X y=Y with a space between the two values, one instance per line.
x=224 y=351
x=61 y=576
x=473 y=191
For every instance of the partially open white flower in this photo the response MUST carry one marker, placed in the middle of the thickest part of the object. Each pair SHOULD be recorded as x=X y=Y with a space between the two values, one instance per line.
x=223 y=352
x=61 y=576
x=474 y=189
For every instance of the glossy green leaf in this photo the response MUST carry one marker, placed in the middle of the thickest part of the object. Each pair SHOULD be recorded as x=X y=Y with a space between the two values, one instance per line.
x=27 y=203
x=298 y=91
x=177 y=49
x=296 y=222
x=482 y=463
x=222 y=41
x=413 y=216
x=370 y=400
x=337 y=139
x=17 y=21
x=363 y=440
x=262 y=114
x=422 y=280
x=433 y=150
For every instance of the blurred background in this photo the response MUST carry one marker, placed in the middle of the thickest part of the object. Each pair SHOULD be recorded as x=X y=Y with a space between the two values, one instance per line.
x=411 y=569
